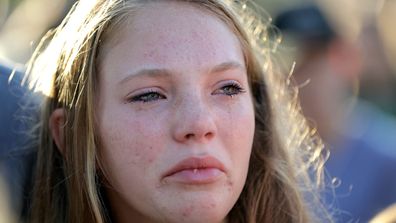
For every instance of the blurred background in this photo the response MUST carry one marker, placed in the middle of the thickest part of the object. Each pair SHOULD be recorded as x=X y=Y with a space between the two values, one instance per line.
x=343 y=55
x=370 y=25
x=344 y=59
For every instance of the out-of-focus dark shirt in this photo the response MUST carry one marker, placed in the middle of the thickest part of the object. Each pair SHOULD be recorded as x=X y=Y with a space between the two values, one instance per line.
x=17 y=155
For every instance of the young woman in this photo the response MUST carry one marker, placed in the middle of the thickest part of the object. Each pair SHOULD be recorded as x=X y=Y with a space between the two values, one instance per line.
x=168 y=111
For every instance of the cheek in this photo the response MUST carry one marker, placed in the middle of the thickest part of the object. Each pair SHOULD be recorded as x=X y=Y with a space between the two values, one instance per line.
x=237 y=136
x=129 y=147
x=240 y=123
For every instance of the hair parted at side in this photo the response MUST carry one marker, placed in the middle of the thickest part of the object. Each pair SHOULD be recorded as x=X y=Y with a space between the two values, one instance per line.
x=285 y=166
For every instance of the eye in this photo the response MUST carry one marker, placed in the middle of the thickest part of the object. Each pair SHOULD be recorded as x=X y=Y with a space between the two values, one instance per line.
x=146 y=97
x=230 y=89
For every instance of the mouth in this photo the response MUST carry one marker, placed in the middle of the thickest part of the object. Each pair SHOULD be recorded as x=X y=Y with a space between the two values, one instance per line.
x=196 y=170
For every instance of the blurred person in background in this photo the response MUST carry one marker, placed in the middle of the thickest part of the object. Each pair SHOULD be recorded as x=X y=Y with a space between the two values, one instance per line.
x=327 y=69
x=16 y=159
x=378 y=43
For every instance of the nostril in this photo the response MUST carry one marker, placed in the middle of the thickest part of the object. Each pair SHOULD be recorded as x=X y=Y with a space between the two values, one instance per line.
x=209 y=135
x=190 y=135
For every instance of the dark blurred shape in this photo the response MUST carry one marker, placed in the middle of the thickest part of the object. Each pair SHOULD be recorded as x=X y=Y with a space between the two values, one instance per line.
x=328 y=68
x=306 y=23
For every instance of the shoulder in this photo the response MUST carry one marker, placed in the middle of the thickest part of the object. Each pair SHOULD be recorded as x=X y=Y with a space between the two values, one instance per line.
x=375 y=127
x=11 y=94
x=16 y=157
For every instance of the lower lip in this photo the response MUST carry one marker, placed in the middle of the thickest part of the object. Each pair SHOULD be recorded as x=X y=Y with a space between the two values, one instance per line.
x=197 y=176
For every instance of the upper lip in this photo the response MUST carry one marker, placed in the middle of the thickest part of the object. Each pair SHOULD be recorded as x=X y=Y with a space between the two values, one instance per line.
x=196 y=163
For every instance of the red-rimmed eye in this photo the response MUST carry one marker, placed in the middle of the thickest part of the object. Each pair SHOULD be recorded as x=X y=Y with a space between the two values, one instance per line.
x=147 y=97
x=230 y=89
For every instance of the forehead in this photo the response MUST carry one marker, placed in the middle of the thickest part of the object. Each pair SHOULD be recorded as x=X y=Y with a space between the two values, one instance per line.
x=167 y=33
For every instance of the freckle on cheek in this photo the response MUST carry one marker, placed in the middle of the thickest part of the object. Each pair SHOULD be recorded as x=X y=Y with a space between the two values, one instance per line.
x=229 y=186
x=187 y=211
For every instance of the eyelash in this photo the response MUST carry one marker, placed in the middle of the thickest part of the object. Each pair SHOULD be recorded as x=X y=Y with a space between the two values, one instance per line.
x=236 y=89
x=146 y=97
x=152 y=95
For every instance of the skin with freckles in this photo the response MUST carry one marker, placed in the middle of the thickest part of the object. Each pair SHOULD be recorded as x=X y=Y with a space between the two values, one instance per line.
x=175 y=116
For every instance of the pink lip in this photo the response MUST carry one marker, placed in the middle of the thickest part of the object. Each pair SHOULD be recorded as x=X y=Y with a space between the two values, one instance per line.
x=196 y=170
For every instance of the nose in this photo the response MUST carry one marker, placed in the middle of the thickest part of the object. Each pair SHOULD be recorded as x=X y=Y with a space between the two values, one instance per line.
x=194 y=121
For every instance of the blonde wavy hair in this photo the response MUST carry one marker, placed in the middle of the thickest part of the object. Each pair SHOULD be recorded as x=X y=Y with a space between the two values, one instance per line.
x=285 y=166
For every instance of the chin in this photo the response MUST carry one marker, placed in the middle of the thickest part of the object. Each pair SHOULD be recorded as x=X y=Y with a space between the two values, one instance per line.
x=198 y=217
x=201 y=210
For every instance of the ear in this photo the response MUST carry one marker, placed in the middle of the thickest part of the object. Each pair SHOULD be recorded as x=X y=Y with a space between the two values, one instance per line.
x=56 y=125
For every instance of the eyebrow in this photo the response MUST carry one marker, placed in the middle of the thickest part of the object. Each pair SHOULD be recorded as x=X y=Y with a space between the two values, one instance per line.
x=162 y=73
x=227 y=66
x=153 y=73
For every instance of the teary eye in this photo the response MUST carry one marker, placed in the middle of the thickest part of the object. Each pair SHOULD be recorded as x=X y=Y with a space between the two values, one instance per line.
x=147 y=97
x=230 y=89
